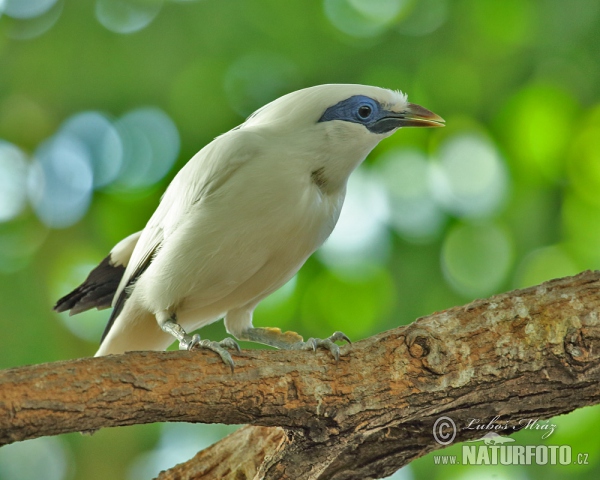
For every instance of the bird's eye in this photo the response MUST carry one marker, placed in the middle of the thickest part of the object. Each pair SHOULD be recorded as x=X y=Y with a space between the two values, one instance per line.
x=364 y=111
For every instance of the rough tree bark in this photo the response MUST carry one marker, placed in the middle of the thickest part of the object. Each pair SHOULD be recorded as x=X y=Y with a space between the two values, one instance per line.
x=531 y=353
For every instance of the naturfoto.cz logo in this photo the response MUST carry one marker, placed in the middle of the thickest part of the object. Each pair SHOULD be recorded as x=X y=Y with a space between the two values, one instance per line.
x=514 y=455
x=499 y=450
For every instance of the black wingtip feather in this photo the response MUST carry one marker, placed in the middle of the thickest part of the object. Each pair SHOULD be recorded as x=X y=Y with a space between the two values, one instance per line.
x=97 y=291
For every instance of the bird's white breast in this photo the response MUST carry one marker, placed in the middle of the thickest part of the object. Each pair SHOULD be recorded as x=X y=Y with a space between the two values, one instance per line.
x=241 y=243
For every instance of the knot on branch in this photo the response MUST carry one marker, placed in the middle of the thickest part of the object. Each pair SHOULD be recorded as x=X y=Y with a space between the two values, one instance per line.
x=429 y=349
x=577 y=345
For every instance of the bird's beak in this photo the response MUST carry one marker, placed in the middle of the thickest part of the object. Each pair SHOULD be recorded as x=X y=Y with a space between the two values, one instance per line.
x=418 y=116
x=412 y=116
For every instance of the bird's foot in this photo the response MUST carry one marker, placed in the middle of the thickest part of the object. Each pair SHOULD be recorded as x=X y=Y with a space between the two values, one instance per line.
x=195 y=342
x=292 y=341
x=327 y=343
x=189 y=342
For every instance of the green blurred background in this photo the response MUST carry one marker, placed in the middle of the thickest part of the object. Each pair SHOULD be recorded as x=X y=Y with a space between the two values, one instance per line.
x=101 y=102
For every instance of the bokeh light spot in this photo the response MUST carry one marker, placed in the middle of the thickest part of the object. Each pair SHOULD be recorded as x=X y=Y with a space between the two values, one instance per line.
x=96 y=132
x=364 y=18
x=413 y=211
x=28 y=28
x=150 y=147
x=60 y=182
x=470 y=179
x=44 y=457
x=13 y=181
x=27 y=8
x=360 y=237
x=584 y=163
x=178 y=443
x=127 y=16
x=544 y=264
x=537 y=124
x=405 y=473
x=476 y=259
x=425 y=17
x=581 y=225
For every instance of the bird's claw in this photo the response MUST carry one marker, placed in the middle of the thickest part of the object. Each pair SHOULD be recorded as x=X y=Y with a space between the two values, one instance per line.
x=230 y=343
x=327 y=343
x=188 y=343
x=217 y=347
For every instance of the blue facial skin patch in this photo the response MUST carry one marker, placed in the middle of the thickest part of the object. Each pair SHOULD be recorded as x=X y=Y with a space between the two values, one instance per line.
x=365 y=111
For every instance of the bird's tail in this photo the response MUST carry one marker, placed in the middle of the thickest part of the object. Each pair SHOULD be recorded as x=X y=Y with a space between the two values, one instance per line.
x=99 y=288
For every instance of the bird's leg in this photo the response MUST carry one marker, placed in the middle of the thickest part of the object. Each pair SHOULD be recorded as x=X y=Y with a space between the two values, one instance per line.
x=186 y=342
x=292 y=341
x=189 y=342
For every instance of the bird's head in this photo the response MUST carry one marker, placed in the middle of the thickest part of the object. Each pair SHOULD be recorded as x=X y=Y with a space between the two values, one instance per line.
x=340 y=123
x=358 y=108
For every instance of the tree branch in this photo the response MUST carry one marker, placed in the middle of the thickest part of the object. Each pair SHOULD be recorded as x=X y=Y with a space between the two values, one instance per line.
x=531 y=353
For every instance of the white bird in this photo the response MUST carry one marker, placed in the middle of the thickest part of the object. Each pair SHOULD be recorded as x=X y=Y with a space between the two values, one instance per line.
x=240 y=219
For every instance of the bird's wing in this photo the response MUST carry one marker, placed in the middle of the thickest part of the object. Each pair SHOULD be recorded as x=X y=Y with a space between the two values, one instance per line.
x=99 y=288
x=202 y=176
